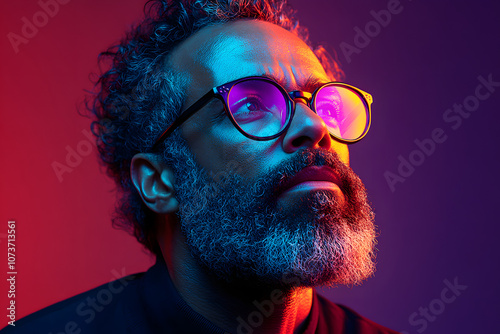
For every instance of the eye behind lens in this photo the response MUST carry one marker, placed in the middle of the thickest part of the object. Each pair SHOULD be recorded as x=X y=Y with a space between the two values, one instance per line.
x=343 y=110
x=258 y=107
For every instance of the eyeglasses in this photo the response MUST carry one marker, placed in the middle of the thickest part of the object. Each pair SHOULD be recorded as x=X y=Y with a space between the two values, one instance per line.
x=261 y=109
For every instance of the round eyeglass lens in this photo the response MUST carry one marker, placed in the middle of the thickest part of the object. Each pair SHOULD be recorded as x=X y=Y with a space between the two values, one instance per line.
x=258 y=107
x=343 y=111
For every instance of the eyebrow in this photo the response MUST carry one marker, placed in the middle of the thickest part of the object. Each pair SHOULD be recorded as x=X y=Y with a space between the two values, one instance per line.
x=311 y=84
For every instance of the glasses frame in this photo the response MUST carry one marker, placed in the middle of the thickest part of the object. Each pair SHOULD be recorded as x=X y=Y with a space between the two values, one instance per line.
x=222 y=93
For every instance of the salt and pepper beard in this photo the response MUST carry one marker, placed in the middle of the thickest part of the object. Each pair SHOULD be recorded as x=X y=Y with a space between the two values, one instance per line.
x=236 y=231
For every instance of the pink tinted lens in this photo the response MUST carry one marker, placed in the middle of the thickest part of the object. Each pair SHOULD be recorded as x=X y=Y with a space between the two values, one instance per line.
x=258 y=107
x=343 y=111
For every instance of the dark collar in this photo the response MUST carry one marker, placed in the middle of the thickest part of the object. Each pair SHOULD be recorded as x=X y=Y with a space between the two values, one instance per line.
x=164 y=308
x=164 y=311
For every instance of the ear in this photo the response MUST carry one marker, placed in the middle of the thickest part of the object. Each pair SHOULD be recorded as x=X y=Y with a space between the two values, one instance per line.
x=154 y=181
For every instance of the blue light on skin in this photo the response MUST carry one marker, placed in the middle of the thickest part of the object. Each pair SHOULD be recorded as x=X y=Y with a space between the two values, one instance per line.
x=211 y=57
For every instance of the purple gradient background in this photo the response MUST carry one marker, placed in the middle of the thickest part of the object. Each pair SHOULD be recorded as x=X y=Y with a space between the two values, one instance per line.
x=439 y=224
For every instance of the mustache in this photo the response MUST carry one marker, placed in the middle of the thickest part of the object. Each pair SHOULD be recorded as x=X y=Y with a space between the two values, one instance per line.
x=278 y=178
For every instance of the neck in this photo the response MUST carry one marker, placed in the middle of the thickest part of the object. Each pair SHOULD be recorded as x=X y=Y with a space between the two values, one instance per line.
x=240 y=308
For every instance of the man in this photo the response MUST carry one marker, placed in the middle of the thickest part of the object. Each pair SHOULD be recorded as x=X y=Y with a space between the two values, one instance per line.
x=228 y=137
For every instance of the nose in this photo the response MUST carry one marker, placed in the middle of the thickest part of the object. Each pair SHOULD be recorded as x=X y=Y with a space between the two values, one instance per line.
x=306 y=130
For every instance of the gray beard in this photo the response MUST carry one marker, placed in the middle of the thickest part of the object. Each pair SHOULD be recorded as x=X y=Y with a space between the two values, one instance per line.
x=237 y=233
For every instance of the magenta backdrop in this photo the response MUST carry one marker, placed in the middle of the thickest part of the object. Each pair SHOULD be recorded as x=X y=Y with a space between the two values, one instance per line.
x=436 y=215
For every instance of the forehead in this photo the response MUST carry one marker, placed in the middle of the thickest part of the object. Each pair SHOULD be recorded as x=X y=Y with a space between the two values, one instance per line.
x=225 y=52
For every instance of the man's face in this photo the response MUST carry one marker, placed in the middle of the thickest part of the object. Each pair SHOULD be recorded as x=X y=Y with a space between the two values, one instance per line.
x=220 y=54
x=241 y=219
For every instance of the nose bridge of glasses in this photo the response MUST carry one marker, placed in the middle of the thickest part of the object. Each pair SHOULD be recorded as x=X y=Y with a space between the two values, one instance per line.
x=297 y=94
x=304 y=97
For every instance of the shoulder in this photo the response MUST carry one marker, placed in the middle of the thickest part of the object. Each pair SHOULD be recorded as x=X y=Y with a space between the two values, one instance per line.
x=94 y=311
x=345 y=320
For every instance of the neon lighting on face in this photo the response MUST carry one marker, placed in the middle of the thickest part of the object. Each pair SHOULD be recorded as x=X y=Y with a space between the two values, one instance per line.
x=262 y=109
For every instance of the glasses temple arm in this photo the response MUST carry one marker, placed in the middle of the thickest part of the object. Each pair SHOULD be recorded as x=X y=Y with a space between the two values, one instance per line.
x=184 y=117
x=367 y=96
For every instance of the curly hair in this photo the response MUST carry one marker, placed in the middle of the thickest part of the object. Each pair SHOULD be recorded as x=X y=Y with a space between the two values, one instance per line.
x=139 y=94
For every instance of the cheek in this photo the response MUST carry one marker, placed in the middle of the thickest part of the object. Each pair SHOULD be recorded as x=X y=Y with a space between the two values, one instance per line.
x=222 y=149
